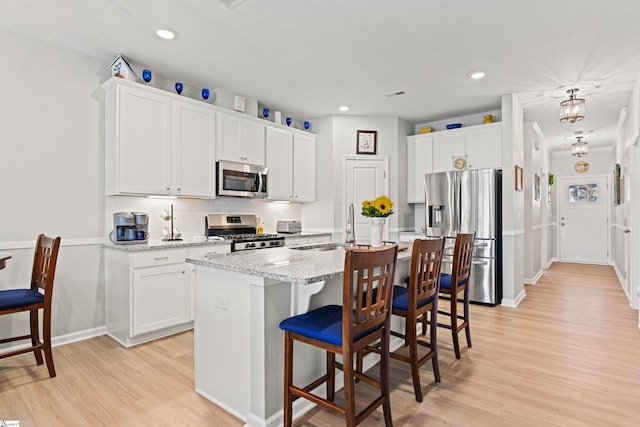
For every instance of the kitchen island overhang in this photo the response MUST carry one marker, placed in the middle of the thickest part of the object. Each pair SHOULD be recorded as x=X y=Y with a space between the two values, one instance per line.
x=240 y=299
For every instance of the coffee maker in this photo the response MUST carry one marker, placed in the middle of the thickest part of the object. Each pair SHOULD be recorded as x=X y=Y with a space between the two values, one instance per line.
x=130 y=228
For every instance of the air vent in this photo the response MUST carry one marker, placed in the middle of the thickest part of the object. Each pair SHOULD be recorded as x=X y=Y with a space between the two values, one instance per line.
x=391 y=95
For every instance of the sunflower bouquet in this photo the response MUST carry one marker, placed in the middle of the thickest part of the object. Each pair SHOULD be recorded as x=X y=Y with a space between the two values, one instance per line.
x=380 y=207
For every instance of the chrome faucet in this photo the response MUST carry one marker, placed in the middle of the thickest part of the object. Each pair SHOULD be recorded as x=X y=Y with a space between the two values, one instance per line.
x=350 y=239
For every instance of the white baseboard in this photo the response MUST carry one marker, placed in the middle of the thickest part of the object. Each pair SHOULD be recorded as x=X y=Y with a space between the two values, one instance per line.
x=513 y=303
x=78 y=336
x=65 y=339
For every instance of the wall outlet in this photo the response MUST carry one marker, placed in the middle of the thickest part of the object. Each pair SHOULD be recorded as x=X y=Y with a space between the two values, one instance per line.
x=221 y=302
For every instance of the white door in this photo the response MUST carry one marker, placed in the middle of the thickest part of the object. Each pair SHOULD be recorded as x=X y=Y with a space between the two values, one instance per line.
x=584 y=210
x=366 y=180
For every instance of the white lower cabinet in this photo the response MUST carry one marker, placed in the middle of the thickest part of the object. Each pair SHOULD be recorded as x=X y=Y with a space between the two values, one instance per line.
x=159 y=298
x=150 y=294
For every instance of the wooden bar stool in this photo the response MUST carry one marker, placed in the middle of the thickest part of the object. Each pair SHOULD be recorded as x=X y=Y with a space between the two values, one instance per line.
x=33 y=300
x=363 y=318
x=454 y=283
x=418 y=302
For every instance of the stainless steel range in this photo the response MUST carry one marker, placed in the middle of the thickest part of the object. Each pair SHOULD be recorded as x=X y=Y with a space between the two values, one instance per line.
x=240 y=229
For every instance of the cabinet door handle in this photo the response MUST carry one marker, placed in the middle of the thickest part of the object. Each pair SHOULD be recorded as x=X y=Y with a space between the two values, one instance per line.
x=161 y=258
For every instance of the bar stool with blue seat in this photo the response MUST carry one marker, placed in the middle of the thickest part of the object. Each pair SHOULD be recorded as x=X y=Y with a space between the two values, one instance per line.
x=418 y=302
x=454 y=283
x=363 y=318
x=33 y=299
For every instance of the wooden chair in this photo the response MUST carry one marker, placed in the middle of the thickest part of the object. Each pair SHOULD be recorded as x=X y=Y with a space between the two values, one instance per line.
x=418 y=302
x=33 y=300
x=363 y=318
x=456 y=282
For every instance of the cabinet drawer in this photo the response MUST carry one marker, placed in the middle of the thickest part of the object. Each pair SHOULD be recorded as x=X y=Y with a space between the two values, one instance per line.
x=164 y=257
x=212 y=249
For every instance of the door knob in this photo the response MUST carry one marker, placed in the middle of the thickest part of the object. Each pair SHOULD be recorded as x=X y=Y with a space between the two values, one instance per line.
x=627 y=231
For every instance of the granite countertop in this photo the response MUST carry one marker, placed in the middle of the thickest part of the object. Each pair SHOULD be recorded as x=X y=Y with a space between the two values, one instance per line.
x=162 y=244
x=285 y=264
x=185 y=243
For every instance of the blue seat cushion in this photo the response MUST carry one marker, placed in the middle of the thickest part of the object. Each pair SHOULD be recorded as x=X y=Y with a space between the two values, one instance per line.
x=445 y=281
x=14 y=298
x=401 y=299
x=323 y=324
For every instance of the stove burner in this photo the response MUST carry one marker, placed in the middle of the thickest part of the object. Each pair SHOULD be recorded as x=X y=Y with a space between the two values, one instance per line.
x=250 y=237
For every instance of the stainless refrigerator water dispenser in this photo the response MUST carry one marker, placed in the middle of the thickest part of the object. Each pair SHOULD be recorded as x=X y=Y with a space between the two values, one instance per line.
x=130 y=228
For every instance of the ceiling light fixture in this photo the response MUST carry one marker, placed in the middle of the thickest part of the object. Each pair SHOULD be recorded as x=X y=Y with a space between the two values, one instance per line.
x=165 y=33
x=344 y=108
x=572 y=109
x=579 y=148
x=478 y=75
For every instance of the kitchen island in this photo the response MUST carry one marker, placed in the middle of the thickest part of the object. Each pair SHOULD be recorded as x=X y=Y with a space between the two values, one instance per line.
x=241 y=298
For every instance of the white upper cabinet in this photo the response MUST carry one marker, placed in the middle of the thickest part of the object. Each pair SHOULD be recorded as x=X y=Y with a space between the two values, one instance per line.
x=279 y=164
x=291 y=162
x=419 y=163
x=193 y=151
x=304 y=168
x=484 y=146
x=480 y=147
x=240 y=140
x=137 y=141
x=156 y=143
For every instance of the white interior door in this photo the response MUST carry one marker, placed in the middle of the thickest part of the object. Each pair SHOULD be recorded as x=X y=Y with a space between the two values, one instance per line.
x=366 y=179
x=584 y=211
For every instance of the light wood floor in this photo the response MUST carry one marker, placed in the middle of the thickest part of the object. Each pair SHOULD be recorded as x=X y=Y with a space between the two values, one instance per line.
x=569 y=355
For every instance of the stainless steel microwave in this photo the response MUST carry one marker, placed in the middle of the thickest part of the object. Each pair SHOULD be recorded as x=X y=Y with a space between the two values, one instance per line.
x=241 y=180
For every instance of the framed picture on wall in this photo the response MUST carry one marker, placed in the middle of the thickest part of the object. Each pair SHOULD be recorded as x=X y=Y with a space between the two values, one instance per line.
x=519 y=182
x=366 y=142
x=616 y=185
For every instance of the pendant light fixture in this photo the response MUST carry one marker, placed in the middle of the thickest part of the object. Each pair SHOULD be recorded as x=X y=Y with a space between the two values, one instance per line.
x=572 y=110
x=579 y=148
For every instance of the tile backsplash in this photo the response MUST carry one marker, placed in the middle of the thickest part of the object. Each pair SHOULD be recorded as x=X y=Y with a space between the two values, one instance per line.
x=189 y=213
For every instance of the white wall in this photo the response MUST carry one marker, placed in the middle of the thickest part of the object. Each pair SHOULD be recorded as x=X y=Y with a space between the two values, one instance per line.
x=512 y=203
x=52 y=176
x=533 y=140
x=337 y=139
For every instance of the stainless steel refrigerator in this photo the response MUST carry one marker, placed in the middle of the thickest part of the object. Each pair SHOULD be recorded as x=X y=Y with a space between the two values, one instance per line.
x=463 y=202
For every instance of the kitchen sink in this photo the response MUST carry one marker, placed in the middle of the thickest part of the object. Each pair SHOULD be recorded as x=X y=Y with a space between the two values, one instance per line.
x=319 y=247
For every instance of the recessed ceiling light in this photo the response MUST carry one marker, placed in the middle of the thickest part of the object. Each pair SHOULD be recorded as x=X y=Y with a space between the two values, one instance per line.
x=165 y=33
x=344 y=108
x=478 y=75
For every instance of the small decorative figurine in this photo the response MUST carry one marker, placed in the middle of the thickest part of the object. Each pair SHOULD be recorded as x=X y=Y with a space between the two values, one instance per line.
x=288 y=120
x=205 y=93
x=146 y=75
x=179 y=88
x=265 y=112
